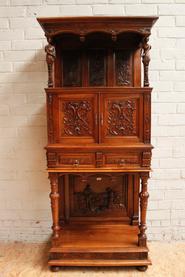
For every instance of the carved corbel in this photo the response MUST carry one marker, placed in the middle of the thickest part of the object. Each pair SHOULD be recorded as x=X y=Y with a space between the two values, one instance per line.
x=145 y=59
x=146 y=158
x=50 y=58
x=114 y=35
x=82 y=36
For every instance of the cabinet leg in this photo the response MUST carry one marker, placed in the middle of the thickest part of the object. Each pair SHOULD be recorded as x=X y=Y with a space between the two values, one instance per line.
x=142 y=238
x=54 y=196
x=142 y=268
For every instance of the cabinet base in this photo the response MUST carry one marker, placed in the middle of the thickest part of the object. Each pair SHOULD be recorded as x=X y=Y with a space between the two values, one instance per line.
x=140 y=264
x=98 y=245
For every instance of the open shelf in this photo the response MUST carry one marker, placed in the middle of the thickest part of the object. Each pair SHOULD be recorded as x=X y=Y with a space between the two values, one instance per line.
x=99 y=245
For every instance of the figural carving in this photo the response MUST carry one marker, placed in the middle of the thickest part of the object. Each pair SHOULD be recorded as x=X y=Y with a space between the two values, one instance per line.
x=146 y=59
x=50 y=58
x=90 y=201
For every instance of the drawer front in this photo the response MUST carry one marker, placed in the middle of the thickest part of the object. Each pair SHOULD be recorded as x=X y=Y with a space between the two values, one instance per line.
x=77 y=160
x=122 y=160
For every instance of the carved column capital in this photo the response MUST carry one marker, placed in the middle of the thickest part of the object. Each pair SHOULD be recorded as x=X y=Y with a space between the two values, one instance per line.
x=50 y=58
x=145 y=54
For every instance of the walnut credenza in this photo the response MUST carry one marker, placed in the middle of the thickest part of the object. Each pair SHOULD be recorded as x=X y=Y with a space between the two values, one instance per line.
x=99 y=150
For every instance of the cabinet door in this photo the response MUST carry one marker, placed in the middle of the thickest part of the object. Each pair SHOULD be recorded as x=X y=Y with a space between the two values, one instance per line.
x=121 y=118
x=76 y=122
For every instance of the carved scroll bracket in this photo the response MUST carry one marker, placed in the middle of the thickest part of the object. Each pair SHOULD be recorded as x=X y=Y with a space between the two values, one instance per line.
x=145 y=59
x=50 y=58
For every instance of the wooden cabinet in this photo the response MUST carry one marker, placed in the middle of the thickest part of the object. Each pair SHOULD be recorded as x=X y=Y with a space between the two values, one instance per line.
x=98 y=151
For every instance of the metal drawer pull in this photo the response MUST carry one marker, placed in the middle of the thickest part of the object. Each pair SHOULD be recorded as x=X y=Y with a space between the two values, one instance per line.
x=122 y=162
x=76 y=163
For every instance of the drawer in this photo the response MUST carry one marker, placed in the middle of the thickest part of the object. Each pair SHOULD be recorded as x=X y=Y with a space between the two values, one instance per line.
x=122 y=159
x=76 y=160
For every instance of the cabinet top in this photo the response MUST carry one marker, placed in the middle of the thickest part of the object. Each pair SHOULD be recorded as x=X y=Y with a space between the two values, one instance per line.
x=53 y=26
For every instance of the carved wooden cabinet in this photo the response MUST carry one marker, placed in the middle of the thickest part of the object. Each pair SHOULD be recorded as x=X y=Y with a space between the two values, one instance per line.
x=99 y=150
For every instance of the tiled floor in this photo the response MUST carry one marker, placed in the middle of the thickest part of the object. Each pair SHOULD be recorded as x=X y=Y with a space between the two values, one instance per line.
x=30 y=260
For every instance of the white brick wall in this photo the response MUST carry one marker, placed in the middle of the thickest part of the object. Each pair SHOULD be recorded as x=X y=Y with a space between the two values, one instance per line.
x=24 y=188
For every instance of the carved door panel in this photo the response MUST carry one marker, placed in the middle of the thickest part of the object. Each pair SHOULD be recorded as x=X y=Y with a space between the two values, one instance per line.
x=121 y=118
x=77 y=118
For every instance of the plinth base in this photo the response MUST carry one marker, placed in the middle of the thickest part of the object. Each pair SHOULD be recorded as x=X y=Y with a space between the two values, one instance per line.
x=98 y=245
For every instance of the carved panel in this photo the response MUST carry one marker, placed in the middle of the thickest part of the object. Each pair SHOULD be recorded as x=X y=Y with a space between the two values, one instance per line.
x=123 y=68
x=97 y=68
x=146 y=161
x=90 y=201
x=76 y=118
x=71 y=69
x=121 y=118
x=147 y=117
x=51 y=158
x=98 y=195
x=50 y=118
x=99 y=159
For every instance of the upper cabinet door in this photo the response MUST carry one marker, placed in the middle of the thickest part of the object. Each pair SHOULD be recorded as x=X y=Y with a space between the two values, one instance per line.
x=121 y=118
x=76 y=118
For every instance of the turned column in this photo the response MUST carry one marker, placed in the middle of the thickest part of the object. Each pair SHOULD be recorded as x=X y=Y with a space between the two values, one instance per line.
x=142 y=238
x=54 y=196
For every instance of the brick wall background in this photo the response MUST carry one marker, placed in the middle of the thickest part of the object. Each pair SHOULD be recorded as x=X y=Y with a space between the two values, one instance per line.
x=24 y=188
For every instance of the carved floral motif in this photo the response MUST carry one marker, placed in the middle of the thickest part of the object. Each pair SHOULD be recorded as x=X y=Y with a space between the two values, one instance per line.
x=121 y=118
x=76 y=122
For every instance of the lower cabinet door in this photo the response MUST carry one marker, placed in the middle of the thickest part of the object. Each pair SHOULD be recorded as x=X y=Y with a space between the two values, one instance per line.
x=121 y=118
x=76 y=118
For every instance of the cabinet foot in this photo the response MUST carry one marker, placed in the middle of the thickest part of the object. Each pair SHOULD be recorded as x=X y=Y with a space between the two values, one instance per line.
x=142 y=268
x=54 y=268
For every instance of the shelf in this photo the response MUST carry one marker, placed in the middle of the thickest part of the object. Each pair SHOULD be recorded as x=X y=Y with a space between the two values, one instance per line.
x=99 y=245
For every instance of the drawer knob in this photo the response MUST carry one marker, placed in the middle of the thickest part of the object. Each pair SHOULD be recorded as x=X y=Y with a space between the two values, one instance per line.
x=122 y=162
x=76 y=163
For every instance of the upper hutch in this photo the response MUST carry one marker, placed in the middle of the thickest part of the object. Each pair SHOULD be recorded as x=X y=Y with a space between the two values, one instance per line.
x=99 y=150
